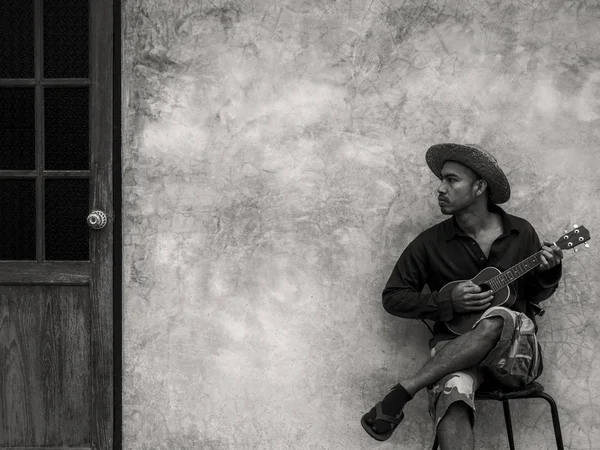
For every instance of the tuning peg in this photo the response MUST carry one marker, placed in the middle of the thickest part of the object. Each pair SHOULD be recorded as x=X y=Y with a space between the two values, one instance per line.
x=575 y=226
x=576 y=250
x=586 y=245
x=566 y=231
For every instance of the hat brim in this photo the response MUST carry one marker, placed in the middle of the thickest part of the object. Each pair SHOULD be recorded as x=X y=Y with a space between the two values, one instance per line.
x=476 y=160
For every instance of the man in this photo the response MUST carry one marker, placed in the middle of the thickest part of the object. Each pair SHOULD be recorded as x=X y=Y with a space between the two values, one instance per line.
x=502 y=344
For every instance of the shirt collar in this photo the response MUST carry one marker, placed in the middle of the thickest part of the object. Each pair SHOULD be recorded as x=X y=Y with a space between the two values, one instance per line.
x=508 y=225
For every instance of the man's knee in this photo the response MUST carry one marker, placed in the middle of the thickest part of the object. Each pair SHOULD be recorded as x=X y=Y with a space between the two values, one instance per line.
x=490 y=328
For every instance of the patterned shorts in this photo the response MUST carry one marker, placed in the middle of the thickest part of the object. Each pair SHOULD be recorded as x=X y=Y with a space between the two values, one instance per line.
x=515 y=361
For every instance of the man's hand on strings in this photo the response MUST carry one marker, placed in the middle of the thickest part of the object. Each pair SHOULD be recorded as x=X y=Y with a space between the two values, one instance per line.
x=551 y=256
x=467 y=297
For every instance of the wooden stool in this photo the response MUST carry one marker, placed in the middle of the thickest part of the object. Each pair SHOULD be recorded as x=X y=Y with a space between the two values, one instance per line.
x=504 y=394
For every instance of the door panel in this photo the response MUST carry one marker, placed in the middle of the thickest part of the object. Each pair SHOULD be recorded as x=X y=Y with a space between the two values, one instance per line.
x=56 y=273
x=66 y=233
x=17 y=226
x=45 y=355
x=65 y=38
x=17 y=140
x=17 y=41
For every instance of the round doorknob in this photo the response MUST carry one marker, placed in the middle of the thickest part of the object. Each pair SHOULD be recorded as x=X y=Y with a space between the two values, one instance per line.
x=97 y=220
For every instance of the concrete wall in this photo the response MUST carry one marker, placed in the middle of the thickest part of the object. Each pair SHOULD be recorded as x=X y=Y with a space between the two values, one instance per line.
x=273 y=171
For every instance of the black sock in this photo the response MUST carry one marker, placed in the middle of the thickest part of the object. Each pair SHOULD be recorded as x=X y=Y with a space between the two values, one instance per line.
x=391 y=405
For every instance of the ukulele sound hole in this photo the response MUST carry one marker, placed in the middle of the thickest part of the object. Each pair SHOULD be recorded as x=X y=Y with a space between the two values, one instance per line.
x=485 y=287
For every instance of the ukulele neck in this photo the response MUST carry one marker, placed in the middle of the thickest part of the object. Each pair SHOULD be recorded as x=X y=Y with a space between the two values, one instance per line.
x=517 y=271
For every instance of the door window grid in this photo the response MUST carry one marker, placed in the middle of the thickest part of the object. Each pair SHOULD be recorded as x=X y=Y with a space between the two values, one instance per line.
x=76 y=168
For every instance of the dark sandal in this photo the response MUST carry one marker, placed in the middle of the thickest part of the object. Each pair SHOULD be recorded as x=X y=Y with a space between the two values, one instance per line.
x=379 y=415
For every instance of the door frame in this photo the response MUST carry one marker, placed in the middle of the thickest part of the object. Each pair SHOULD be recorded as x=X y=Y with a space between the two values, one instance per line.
x=117 y=230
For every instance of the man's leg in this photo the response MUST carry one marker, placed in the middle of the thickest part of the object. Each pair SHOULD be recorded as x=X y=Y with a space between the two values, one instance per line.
x=515 y=363
x=452 y=405
x=461 y=353
x=454 y=430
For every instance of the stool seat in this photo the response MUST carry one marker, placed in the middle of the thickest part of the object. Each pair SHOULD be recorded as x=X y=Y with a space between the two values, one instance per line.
x=491 y=390
x=495 y=391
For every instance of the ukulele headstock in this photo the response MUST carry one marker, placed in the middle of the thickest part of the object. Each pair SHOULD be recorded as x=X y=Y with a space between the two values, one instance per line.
x=571 y=239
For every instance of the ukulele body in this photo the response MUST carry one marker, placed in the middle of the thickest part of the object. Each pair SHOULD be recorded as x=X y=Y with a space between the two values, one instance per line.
x=461 y=323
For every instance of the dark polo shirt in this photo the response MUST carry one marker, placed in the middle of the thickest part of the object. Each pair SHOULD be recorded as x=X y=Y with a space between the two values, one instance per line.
x=444 y=253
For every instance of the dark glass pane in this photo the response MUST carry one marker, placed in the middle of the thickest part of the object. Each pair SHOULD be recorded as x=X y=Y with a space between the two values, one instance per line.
x=66 y=128
x=16 y=39
x=17 y=128
x=66 y=29
x=66 y=211
x=17 y=219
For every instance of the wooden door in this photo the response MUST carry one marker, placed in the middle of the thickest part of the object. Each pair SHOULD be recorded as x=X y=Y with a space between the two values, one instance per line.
x=56 y=306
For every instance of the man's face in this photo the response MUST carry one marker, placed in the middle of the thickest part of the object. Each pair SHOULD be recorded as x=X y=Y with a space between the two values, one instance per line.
x=457 y=189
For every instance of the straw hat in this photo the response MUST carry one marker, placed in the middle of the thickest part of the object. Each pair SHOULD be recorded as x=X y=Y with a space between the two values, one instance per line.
x=476 y=159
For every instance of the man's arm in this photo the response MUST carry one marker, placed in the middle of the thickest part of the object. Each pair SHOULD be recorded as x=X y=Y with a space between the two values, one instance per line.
x=403 y=296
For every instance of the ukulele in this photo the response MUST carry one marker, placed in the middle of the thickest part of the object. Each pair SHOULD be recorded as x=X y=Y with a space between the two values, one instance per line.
x=492 y=279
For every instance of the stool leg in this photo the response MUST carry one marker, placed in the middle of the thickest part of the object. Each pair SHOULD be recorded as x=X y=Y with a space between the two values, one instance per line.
x=555 y=419
x=509 y=429
x=435 y=443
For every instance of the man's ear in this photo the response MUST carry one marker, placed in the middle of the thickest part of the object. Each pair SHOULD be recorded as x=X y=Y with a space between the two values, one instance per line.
x=481 y=185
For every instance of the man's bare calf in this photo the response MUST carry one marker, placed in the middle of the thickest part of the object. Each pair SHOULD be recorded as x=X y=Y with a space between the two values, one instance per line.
x=454 y=430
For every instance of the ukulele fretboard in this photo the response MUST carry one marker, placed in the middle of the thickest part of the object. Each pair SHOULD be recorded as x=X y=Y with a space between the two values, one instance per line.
x=516 y=271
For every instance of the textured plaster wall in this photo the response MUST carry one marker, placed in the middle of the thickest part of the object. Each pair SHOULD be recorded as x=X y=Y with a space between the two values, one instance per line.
x=273 y=171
